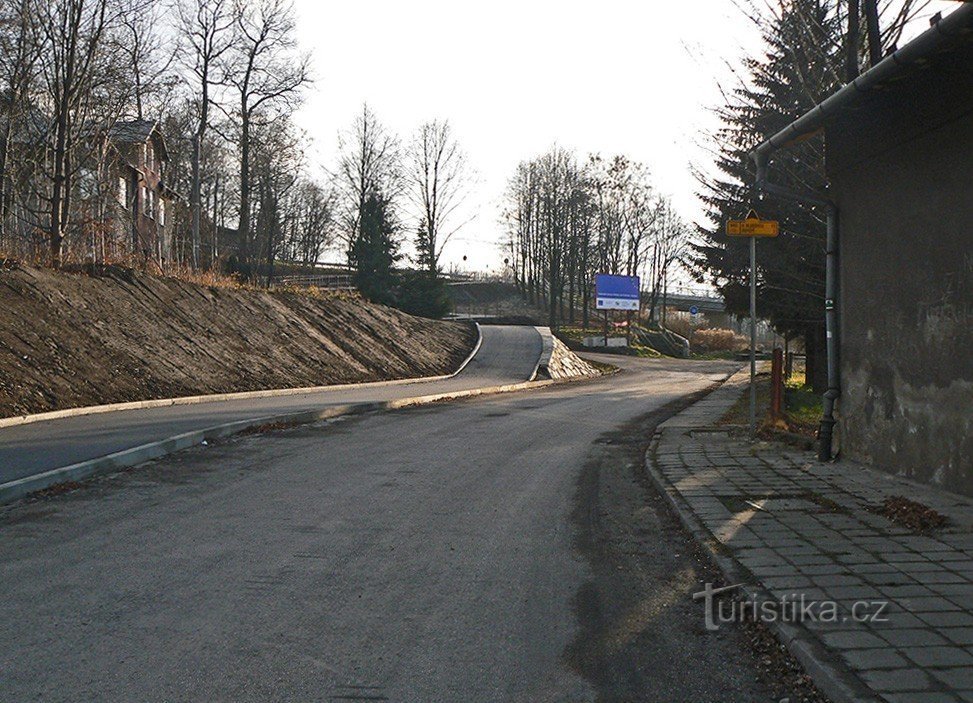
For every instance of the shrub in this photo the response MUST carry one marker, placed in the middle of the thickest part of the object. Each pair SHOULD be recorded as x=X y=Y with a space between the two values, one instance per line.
x=718 y=340
x=424 y=294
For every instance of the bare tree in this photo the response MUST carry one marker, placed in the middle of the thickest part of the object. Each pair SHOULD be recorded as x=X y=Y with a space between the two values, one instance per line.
x=72 y=34
x=311 y=222
x=205 y=28
x=148 y=53
x=669 y=246
x=19 y=50
x=368 y=163
x=438 y=179
x=266 y=72
x=277 y=163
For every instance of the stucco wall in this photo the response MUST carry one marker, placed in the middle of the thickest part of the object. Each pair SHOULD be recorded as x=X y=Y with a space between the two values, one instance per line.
x=904 y=189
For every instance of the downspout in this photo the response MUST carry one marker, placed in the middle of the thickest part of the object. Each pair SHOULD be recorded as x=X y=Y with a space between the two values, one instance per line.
x=826 y=432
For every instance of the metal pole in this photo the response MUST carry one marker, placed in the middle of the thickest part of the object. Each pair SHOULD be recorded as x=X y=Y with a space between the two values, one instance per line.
x=753 y=338
x=826 y=432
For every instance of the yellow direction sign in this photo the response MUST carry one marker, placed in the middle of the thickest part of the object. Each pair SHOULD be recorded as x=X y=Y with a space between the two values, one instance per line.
x=752 y=226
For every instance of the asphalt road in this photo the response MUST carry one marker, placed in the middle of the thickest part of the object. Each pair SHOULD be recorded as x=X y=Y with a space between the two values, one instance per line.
x=507 y=355
x=454 y=552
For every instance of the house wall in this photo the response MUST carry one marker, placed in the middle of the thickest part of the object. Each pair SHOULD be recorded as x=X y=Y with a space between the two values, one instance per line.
x=901 y=176
x=148 y=235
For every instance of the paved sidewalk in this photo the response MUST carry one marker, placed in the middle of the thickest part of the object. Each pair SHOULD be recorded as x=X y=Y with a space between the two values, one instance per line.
x=789 y=526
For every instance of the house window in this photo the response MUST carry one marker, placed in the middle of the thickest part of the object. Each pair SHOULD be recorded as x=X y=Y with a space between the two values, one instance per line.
x=149 y=157
x=162 y=212
x=151 y=208
x=144 y=194
x=123 y=191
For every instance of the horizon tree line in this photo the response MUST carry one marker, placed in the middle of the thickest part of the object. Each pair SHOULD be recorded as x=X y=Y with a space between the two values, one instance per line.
x=568 y=219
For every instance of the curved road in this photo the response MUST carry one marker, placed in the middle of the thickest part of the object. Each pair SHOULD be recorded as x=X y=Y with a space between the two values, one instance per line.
x=508 y=354
x=498 y=549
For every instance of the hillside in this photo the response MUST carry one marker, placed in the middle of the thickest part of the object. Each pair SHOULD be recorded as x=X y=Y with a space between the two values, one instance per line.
x=68 y=340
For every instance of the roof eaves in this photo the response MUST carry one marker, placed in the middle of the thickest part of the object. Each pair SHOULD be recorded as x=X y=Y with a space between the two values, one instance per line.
x=958 y=22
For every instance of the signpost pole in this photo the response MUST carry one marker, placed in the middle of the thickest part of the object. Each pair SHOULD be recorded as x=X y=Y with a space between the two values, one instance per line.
x=753 y=338
x=752 y=227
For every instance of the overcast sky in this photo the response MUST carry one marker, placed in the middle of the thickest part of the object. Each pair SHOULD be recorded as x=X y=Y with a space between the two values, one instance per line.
x=516 y=76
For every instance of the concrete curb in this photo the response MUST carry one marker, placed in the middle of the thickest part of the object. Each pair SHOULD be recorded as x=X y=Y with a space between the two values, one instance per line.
x=831 y=677
x=14 y=490
x=219 y=397
x=547 y=350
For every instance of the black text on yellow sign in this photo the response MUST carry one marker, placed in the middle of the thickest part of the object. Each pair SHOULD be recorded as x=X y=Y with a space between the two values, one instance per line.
x=752 y=226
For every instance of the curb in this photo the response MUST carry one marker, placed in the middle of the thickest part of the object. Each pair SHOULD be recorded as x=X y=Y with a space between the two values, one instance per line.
x=14 y=490
x=547 y=350
x=217 y=397
x=833 y=679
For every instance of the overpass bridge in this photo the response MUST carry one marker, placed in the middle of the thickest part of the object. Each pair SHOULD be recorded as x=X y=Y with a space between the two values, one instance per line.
x=684 y=299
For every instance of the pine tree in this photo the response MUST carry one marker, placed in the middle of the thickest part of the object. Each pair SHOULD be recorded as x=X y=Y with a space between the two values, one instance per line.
x=375 y=251
x=808 y=53
x=423 y=291
x=802 y=65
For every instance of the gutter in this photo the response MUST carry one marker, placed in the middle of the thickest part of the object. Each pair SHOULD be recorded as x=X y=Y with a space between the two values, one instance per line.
x=958 y=22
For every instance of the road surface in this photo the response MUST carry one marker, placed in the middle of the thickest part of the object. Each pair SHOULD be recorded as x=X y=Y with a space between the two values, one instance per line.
x=508 y=354
x=497 y=549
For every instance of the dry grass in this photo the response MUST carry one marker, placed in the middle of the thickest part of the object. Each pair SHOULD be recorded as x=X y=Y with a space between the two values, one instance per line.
x=210 y=278
x=718 y=340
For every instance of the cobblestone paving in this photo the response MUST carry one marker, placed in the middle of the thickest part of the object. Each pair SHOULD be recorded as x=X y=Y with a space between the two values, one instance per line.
x=802 y=528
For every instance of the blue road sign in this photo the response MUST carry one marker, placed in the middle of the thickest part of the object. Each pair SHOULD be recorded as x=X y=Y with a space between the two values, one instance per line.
x=693 y=310
x=616 y=292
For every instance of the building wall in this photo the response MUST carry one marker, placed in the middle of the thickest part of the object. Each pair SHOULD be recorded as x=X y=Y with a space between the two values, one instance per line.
x=143 y=229
x=902 y=183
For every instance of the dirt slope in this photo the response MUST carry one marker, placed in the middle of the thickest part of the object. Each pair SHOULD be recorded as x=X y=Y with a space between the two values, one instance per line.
x=69 y=340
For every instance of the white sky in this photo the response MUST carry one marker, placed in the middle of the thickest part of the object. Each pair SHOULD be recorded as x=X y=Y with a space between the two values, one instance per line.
x=514 y=77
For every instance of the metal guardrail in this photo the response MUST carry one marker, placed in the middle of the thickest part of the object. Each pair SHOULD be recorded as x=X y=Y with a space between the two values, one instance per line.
x=332 y=281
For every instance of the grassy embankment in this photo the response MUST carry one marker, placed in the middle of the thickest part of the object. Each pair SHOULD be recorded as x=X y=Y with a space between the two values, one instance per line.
x=573 y=337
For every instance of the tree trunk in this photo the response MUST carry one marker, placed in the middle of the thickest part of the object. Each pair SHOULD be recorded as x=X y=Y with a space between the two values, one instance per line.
x=244 y=226
x=851 y=45
x=195 y=199
x=4 y=191
x=59 y=190
x=571 y=299
x=816 y=348
x=552 y=304
x=586 y=291
x=874 y=33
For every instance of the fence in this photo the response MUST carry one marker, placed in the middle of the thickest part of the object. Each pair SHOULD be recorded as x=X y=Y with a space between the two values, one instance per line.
x=331 y=281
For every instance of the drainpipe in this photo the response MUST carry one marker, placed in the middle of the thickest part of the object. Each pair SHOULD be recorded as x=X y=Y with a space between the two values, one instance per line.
x=826 y=432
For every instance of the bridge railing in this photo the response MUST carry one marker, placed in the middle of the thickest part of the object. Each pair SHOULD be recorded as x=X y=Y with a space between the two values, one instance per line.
x=333 y=281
